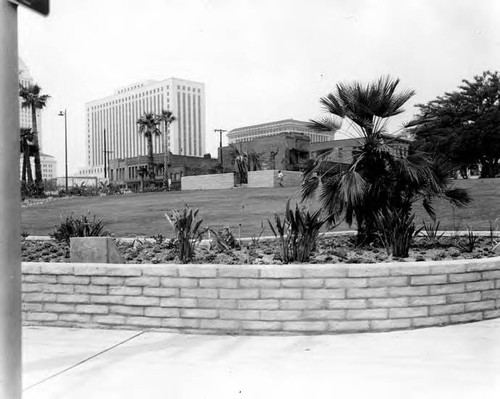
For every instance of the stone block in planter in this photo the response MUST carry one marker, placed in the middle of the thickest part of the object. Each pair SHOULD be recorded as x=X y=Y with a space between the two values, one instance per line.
x=94 y=250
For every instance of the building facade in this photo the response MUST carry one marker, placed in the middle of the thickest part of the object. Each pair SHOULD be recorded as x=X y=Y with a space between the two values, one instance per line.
x=284 y=151
x=127 y=172
x=342 y=151
x=250 y=133
x=48 y=164
x=117 y=115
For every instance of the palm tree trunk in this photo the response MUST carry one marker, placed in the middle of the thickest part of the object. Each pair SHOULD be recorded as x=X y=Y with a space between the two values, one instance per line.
x=23 y=175
x=151 y=161
x=166 y=157
x=26 y=163
x=36 y=146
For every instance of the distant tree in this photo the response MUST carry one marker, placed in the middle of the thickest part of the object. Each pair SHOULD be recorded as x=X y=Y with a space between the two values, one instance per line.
x=33 y=99
x=254 y=160
x=380 y=185
x=167 y=118
x=148 y=125
x=463 y=127
x=26 y=143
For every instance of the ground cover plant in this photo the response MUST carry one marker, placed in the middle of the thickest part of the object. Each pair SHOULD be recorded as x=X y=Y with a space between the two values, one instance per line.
x=332 y=250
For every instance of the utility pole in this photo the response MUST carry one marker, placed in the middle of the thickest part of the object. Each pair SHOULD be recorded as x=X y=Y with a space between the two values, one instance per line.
x=65 y=146
x=220 y=131
x=105 y=156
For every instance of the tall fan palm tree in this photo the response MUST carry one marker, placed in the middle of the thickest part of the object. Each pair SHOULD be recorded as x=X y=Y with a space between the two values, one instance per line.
x=148 y=125
x=167 y=117
x=33 y=99
x=26 y=143
x=379 y=179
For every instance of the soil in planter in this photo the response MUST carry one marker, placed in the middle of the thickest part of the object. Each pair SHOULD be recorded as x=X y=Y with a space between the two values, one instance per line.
x=329 y=250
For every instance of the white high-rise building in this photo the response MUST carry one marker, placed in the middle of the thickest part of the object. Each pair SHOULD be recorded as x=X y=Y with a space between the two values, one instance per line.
x=25 y=118
x=117 y=115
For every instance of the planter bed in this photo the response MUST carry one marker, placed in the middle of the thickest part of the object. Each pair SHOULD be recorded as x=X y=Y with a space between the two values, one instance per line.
x=332 y=250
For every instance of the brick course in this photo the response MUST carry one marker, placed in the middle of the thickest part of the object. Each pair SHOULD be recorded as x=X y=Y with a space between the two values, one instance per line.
x=262 y=299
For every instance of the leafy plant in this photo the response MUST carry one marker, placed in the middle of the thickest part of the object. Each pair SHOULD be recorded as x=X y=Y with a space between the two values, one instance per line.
x=79 y=227
x=382 y=173
x=396 y=230
x=224 y=239
x=431 y=230
x=297 y=233
x=187 y=231
x=469 y=243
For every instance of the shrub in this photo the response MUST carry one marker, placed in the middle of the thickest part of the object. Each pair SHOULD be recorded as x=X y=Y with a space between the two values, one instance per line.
x=297 y=233
x=80 y=227
x=431 y=230
x=224 y=239
x=187 y=231
x=396 y=230
x=469 y=243
x=493 y=229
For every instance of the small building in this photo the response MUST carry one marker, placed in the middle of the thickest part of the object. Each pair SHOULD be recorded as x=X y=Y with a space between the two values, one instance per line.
x=286 y=151
x=128 y=171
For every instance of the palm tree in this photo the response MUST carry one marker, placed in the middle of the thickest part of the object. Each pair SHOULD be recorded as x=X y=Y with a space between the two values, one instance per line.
x=167 y=118
x=34 y=100
x=26 y=143
x=148 y=125
x=379 y=179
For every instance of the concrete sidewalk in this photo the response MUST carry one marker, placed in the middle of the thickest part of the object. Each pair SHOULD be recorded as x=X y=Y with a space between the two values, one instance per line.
x=461 y=361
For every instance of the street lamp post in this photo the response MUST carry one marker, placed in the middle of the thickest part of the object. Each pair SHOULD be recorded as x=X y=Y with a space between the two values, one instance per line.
x=61 y=113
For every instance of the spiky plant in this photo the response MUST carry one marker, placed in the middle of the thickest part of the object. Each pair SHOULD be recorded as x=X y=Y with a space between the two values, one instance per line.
x=187 y=229
x=297 y=233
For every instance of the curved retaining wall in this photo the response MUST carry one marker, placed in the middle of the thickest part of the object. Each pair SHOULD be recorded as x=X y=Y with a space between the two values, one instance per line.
x=252 y=299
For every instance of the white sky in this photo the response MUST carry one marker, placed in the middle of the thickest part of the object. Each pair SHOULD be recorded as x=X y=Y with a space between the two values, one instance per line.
x=261 y=60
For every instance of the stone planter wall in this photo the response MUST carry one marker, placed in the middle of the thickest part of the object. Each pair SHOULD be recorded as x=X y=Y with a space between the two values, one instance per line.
x=247 y=299
x=269 y=178
x=208 y=182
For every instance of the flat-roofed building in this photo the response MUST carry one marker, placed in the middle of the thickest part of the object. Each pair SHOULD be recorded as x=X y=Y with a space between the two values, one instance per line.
x=249 y=133
x=47 y=162
x=117 y=115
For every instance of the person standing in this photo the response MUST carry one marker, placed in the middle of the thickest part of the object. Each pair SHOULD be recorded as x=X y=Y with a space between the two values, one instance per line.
x=280 y=178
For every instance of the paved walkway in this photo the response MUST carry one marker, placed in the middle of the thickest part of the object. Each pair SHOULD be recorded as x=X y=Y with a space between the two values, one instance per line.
x=450 y=362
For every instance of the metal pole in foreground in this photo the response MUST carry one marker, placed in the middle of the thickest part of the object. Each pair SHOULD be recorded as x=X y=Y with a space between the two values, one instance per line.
x=220 y=131
x=10 y=208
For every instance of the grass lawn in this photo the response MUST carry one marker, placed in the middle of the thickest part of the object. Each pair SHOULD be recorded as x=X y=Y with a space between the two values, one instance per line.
x=142 y=214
